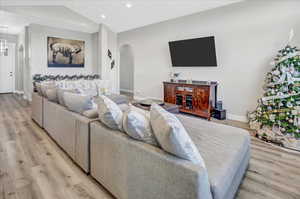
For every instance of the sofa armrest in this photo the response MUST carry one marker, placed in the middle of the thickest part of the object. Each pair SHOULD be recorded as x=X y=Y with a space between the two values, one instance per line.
x=132 y=169
x=82 y=141
x=37 y=108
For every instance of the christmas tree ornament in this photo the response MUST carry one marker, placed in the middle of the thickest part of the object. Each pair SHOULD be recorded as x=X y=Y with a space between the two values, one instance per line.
x=289 y=104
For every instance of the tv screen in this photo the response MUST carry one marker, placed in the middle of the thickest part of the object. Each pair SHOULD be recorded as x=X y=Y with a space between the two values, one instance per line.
x=193 y=52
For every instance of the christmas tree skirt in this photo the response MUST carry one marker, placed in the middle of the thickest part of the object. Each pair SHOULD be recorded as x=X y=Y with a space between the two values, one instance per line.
x=275 y=136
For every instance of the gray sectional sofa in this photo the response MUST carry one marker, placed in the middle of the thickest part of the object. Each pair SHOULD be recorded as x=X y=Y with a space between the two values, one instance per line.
x=37 y=108
x=70 y=130
x=131 y=169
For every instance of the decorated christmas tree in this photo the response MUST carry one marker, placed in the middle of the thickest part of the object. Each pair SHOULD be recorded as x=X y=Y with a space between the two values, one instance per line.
x=277 y=116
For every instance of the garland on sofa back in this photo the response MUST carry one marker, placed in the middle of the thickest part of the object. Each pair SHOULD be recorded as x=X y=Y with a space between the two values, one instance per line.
x=40 y=78
x=37 y=78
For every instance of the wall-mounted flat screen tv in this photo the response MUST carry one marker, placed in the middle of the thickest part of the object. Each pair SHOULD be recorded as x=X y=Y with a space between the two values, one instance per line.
x=200 y=52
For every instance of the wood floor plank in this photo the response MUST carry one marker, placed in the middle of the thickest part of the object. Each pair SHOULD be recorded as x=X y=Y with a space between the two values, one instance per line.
x=32 y=166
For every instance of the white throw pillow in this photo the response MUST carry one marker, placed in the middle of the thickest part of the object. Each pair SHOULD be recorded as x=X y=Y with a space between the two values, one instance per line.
x=109 y=113
x=77 y=103
x=136 y=123
x=172 y=136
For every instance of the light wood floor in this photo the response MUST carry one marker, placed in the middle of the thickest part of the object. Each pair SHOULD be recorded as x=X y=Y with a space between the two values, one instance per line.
x=33 y=167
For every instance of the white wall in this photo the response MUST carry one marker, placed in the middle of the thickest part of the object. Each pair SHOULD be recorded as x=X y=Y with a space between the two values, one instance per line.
x=38 y=57
x=248 y=35
x=108 y=40
x=126 y=69
x=35 y=41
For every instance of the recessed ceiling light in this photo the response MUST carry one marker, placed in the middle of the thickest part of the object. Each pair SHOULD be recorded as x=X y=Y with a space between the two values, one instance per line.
x=103 y=16
x=128 y=4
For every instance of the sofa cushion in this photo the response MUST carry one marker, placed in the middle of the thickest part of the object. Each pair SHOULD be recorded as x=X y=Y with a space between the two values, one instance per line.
x=109 y=113
x=223 y=149
x=60 y=95
x=78 y=103
x=172 y=136
x=51 y=94
x=136 y=123
x=91 y=114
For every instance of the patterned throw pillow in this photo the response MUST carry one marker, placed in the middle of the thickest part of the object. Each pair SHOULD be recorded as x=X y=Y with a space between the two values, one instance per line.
x=172 y=136
x=109 y=113
x=136 y=123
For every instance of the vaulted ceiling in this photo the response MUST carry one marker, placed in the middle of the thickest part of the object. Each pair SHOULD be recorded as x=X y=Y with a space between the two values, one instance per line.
x=84 y=15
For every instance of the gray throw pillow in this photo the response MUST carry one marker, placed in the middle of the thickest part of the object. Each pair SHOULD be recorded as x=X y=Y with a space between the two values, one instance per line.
x=89 y=91
x=109 y=113
x=77 y=103
x=172 y=136
x=60 y=95
x=136 y=123
x=51 y=94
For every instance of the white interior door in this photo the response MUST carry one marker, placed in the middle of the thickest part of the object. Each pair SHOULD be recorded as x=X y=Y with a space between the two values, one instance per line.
x=7 y=70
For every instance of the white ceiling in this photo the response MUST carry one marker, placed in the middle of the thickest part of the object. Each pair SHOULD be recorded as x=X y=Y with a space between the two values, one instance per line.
x=16 y=17
x=84 y=15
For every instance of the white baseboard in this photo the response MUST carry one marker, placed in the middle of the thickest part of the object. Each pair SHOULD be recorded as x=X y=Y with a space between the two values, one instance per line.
x=237 y=117
x=19 y=92
x=127 y=91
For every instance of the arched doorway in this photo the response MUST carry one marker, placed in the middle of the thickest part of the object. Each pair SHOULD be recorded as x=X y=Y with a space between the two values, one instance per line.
x=126 y=70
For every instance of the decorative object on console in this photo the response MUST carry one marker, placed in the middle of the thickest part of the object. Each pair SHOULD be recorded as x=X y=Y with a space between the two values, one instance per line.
x=277 y=116
x=175 y=77
x=65 y=52
x=197 y=98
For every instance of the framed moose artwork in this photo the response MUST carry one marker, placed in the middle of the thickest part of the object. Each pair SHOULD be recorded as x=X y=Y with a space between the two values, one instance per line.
x=65 y=53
